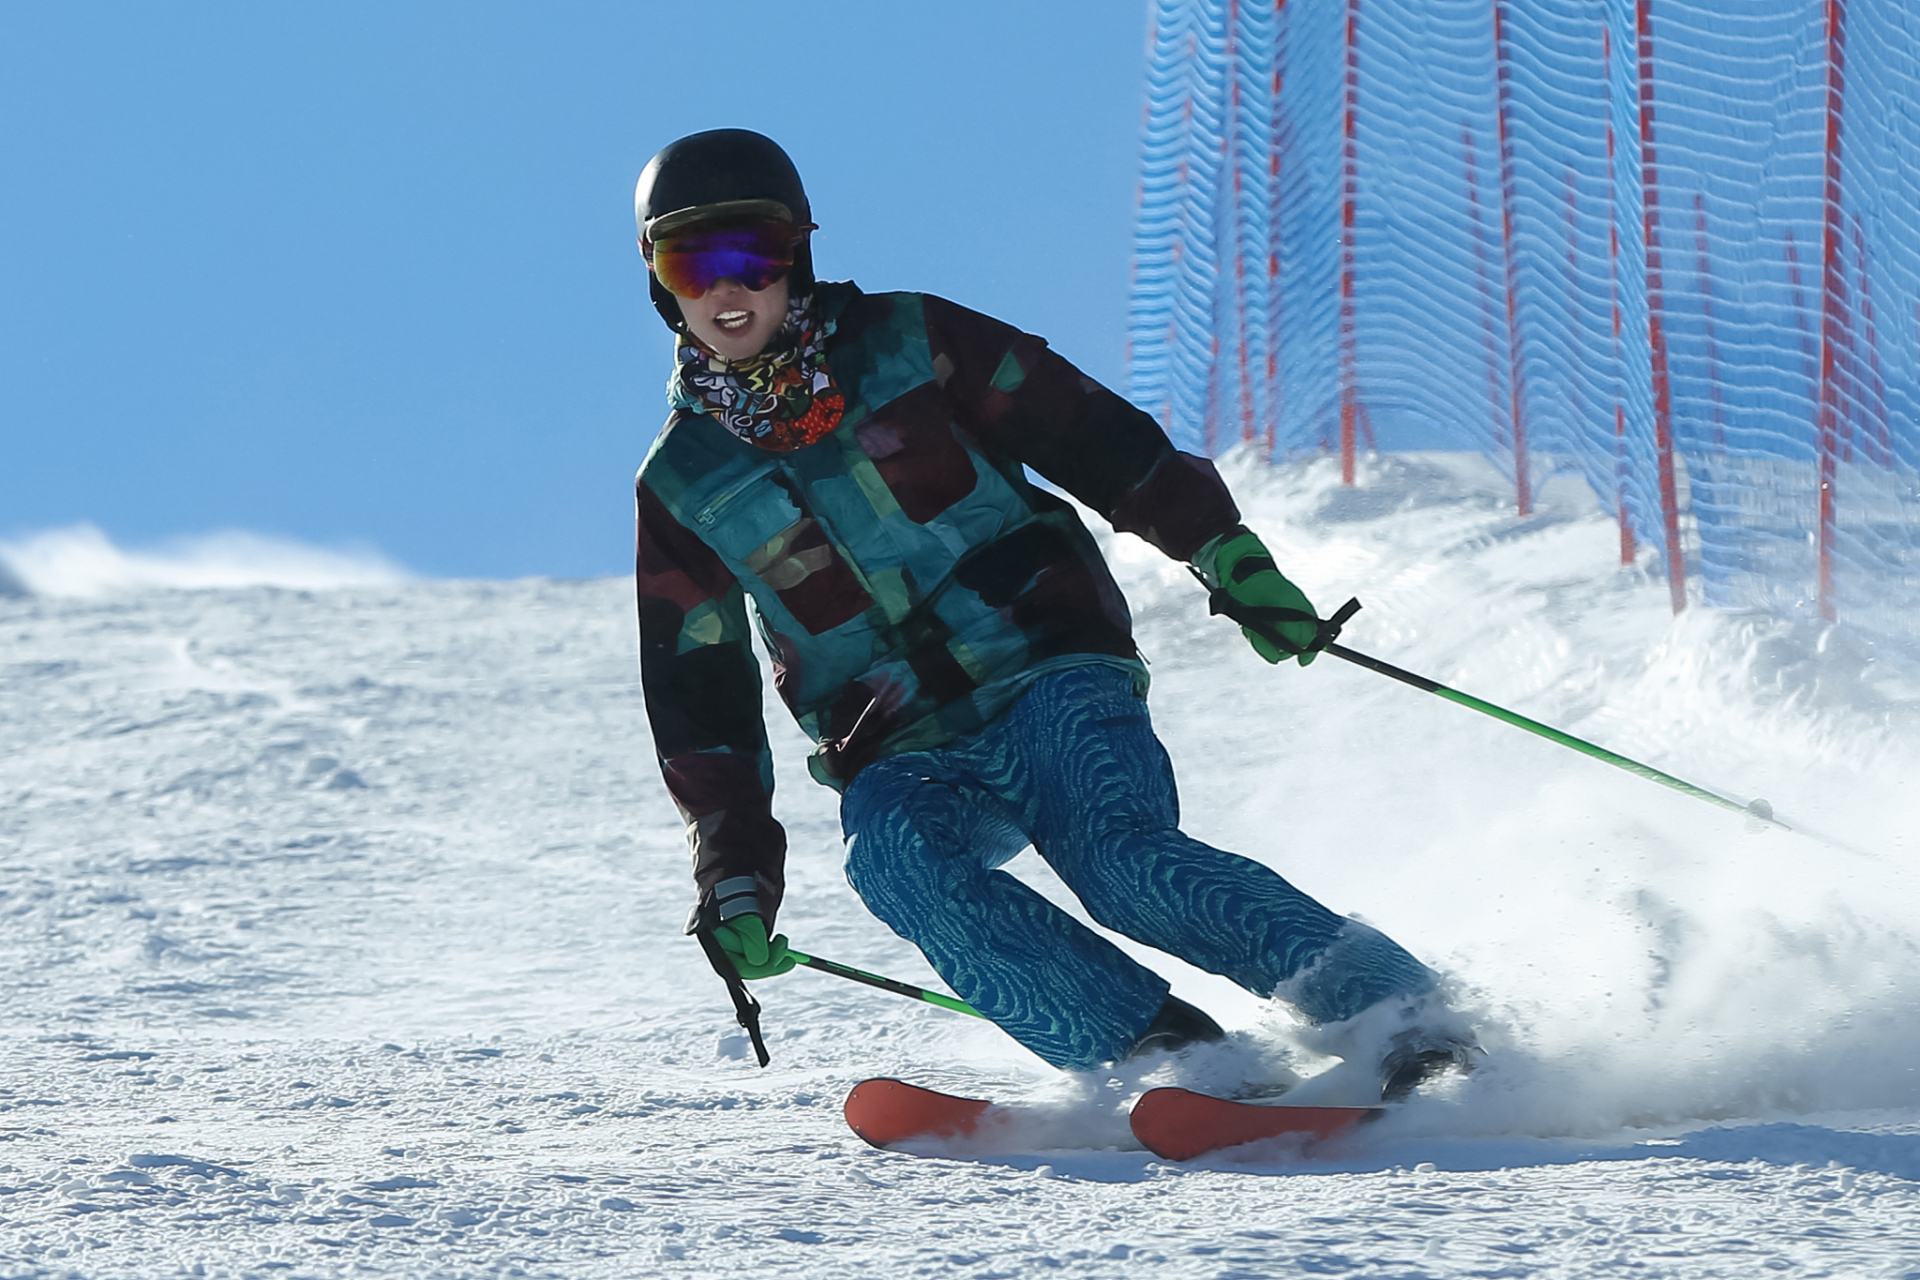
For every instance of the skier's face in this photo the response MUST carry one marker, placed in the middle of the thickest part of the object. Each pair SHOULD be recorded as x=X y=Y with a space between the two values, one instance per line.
x=735 y=321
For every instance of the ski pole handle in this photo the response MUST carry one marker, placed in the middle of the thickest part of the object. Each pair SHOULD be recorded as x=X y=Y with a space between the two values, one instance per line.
x=885 y=984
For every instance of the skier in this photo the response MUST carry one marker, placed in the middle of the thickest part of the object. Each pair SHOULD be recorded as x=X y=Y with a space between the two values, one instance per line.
x=949 y=635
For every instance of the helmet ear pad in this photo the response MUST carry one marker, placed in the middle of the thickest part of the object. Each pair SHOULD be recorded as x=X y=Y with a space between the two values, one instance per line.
x=799 y=284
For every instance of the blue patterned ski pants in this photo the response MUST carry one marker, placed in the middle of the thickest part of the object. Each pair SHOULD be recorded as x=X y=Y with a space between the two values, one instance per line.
x=1075 y=769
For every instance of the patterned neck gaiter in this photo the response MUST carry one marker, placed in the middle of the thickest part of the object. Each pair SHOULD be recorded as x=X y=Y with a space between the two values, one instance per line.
x=782 y=399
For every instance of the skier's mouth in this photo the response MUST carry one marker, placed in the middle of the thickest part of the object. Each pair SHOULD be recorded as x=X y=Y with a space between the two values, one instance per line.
x=733 y=321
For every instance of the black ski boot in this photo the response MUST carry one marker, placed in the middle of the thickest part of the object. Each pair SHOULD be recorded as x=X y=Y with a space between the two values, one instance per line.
x=1418 y=1055
x=1177 y=1025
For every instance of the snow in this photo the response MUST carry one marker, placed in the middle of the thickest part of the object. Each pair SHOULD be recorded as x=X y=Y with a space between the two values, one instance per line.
x=81 y=561
x=342 y=936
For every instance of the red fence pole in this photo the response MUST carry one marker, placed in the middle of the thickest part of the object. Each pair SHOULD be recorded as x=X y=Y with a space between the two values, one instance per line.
x=1833 y=320
x=1349 y=189
x=1656 y=311
x=1516 y=377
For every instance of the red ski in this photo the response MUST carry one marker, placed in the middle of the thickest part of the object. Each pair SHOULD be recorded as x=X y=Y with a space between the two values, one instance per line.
x=885 y=1111
x=1179 y=1124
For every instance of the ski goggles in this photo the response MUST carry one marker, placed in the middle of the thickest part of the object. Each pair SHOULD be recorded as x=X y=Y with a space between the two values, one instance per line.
x=756 y=253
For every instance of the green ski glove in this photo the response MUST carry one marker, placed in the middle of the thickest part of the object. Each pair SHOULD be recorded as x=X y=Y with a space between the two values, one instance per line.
x=1241 y=563
x=754 y=955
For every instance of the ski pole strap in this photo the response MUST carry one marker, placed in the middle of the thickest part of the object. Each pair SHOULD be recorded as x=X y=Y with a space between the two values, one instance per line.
x=1265 y=619
x=746 y=1010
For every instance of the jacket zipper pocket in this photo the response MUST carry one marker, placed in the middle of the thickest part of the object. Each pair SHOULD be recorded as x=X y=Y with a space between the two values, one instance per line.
x=711 y=511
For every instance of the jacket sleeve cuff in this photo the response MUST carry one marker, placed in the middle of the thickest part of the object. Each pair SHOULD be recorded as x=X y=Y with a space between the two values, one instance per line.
x=732 y=898
x=1206 y=559
x=737 y=897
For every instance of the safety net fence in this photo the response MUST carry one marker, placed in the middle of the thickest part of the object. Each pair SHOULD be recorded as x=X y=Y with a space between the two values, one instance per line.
x=1671 y=246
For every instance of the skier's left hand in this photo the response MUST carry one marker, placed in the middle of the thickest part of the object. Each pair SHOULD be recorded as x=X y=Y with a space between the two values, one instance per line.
x=754 y=955
x=1245 y=568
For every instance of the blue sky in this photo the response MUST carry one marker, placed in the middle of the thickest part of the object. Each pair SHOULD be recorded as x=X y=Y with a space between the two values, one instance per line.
x=365 y=272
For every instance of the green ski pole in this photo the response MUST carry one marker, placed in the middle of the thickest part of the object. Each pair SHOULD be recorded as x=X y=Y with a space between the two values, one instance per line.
x=1757 y=809
x=885 y=984
x=1223 y=603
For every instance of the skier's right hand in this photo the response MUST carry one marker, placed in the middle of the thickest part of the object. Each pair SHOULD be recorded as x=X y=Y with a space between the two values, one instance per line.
x=754 y=955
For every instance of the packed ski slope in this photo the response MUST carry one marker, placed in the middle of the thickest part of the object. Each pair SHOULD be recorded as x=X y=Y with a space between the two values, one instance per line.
x=342 y=936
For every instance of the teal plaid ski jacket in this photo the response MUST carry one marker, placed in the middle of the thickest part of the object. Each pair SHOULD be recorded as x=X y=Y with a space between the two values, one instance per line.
x=909 y=581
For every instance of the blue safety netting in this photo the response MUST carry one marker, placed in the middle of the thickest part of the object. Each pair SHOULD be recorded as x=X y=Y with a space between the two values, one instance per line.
x=1551 y=206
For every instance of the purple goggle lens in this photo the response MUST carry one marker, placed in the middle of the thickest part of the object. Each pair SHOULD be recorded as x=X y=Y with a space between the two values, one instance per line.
x=690 y=262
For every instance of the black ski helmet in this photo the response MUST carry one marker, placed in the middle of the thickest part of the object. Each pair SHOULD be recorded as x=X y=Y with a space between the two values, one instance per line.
x=718 y=167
